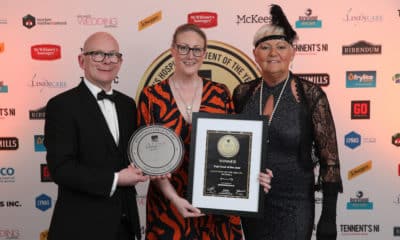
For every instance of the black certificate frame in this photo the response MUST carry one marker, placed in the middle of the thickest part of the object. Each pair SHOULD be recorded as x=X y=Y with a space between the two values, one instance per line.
x=226 y=197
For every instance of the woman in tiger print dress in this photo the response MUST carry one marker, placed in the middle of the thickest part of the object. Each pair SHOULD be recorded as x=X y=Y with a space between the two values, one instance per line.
x=171 y=103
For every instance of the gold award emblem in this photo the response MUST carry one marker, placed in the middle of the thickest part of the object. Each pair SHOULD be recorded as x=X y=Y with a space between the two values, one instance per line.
x=228 y=146
x=223 y=63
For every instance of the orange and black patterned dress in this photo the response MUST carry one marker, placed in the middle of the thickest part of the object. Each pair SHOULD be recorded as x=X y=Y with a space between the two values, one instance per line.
x=157 y=105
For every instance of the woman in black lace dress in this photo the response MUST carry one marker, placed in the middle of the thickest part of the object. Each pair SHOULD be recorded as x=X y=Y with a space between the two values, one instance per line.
x=301 y=135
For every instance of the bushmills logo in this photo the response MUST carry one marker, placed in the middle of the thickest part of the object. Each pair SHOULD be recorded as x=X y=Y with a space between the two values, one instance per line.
x=360 y=109
x=321 y=79
x=46 y=52
x=150 y=20
x=9 y=143
x=308 y=21
x=361 y=48
x=203 y=19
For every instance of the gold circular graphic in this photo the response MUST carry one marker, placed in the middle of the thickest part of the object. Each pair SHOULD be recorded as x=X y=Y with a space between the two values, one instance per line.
x=223 y=63
x=228 y=146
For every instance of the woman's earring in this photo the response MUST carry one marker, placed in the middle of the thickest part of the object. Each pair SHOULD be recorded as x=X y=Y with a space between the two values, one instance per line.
x=116 y=81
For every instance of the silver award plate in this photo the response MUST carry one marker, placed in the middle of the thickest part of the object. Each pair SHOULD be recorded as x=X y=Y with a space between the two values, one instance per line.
x=156 y=150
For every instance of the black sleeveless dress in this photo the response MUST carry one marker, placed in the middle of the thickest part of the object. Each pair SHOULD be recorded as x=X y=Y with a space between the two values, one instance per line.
x=289 y=206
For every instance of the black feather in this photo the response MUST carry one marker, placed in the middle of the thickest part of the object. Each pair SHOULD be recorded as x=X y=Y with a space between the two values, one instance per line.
x=279 y=19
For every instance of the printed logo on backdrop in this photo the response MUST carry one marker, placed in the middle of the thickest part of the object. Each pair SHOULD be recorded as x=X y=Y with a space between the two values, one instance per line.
x=3 y=20
x=89 y=20
x=359 y=229
x=396 y=78
x=43 y=202
x=360 y=109
x=252 y=19
x=41 y=83
x=10 y=204
x=352 y=140
x=359 y=202
x=308 y=21
x=7 y=112
x=150 y=20
x=1 y=47
x=321 y=79
x=7 y=175
x=43 y=235
x=396 y=200
x=39 y=143
x=203 y=19
x=30 y=21
x=222 y=63
x=396 y=139
x=45 y=173
x=310 y=48
x=360 y=18
x=360 y=79
x=360 y=169
x=9 y=143
x=46 y=52
x=37 y=114
x=361 y=48
x=10 y=233
x=396 y=231
x=3 y=87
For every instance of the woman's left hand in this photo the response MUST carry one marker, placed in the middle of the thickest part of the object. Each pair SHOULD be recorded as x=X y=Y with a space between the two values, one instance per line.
x=265 y=179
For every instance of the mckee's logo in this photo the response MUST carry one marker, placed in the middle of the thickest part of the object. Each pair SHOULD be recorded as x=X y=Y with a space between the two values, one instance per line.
x=9 y=143
x=29 y=21
x=360 y=169
x=150 y=20
x=1 y=47
x=396 y=139
x=360 y=109
x=45 y=173
x=203 y=19
x=361 y=48
x=3 y=87
x=360 y=202
x=360 y=79
x=38 y=141
x=308 y=21
x=46 y=52
x=321 y=79
x=37 y=114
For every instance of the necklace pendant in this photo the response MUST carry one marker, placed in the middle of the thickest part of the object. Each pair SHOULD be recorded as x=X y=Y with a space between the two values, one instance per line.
x=189 y=108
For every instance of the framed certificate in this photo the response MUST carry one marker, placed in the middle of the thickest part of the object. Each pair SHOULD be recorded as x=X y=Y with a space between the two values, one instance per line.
x=225 y=160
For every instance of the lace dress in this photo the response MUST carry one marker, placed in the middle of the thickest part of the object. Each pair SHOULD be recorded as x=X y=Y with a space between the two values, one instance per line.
x=289 y=206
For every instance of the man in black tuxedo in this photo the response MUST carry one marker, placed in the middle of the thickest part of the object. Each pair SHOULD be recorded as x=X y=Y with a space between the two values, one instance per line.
x=87 y=130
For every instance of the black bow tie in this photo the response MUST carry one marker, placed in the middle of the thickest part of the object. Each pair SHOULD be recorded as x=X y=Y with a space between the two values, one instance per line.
x=102 y=95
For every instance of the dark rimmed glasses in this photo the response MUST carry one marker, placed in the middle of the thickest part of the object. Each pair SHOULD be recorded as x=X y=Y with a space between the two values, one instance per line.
x=185 y=49
x=99 y=56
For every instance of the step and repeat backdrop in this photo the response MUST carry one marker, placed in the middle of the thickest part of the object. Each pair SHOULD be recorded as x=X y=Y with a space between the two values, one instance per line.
x=351 y=48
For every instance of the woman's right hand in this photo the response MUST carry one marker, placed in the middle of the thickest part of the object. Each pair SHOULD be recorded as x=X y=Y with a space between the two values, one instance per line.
x=185 y=208
x=265 y=179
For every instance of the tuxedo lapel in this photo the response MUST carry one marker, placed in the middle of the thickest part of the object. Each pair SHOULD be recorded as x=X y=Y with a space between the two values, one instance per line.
x=93 y=111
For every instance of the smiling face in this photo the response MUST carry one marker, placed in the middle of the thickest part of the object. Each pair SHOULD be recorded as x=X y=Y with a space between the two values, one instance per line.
x=188 y=64
x=274 y=57
x=101 y=73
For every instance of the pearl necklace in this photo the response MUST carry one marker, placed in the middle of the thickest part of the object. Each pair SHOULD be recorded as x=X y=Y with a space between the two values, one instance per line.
x=188 y=107
x=277 y=102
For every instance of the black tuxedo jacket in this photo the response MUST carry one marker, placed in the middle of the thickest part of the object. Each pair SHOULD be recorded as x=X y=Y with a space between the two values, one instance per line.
x=82 y=157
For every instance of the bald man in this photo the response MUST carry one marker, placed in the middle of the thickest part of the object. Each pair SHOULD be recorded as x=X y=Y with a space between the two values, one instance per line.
x=87 y=130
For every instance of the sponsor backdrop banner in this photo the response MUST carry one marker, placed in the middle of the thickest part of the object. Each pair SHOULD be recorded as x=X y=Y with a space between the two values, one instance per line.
x=348 y=47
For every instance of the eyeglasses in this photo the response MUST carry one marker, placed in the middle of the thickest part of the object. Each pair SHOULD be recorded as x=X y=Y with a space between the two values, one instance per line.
x=99 y=56
x=184 y=50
